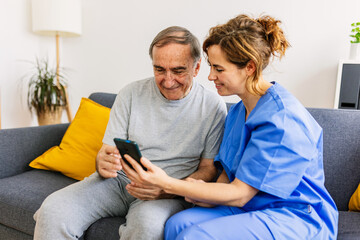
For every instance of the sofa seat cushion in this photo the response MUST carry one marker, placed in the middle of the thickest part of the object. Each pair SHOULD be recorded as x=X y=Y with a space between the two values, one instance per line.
x=8 y=233
x=22 y=195
x=349 y=223
x=105 y=228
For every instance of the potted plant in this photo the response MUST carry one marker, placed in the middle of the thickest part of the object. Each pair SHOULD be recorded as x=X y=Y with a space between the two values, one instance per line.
x=46 y=93
x=355 y=42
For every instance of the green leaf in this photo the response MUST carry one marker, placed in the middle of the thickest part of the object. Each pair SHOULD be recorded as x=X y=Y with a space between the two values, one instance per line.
x=43 y=92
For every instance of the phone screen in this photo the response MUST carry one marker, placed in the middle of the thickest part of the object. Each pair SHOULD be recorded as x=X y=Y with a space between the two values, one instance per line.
x=128 y=147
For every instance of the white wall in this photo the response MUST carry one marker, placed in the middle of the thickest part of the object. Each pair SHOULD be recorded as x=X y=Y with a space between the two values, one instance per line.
x=113 y=49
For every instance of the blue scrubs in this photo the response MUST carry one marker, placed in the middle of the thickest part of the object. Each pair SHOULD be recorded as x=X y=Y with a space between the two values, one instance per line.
x=279 y=151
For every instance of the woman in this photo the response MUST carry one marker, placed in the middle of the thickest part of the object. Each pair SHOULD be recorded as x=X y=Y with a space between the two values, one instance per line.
x=272 y=180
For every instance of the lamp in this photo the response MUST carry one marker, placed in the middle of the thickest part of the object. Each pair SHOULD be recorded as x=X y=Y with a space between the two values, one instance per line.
x=57 y=18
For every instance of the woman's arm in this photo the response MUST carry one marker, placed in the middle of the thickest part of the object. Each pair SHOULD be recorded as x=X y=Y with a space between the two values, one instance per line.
x=223 y=178
x=206 y=172
x=236 y=193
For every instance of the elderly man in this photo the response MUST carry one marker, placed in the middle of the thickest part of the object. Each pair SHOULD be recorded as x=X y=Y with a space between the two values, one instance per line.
x=178 y=125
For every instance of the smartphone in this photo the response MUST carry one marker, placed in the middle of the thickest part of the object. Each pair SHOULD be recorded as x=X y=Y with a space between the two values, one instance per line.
x=129 y=147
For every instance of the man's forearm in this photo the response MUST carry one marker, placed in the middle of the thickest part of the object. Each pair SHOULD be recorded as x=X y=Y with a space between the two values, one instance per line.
x=205 y=173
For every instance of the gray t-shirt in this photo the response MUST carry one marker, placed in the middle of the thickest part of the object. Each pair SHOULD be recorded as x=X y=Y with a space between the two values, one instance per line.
x=172 y=134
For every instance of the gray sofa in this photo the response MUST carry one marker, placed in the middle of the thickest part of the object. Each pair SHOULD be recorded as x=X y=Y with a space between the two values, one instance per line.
x=23 y=189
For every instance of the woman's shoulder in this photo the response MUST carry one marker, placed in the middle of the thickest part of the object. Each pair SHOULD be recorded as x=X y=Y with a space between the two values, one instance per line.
x=280 y=109
x=279 y=101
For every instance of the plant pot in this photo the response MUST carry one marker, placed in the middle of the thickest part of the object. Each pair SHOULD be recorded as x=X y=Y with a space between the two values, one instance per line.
x=354 y=51
x=50 y=117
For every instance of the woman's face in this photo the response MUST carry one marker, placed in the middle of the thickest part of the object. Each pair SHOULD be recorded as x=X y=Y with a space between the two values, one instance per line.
x=228 y=78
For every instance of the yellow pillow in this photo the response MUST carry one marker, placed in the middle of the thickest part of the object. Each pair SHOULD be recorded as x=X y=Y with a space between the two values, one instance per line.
x=76 y=154
x=354 y=204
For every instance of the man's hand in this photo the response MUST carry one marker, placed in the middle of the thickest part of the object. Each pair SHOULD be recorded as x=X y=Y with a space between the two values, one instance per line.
x=147 y=192
x=108 y=161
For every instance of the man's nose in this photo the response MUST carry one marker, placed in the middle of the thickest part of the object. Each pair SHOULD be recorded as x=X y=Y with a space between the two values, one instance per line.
x=169 y=80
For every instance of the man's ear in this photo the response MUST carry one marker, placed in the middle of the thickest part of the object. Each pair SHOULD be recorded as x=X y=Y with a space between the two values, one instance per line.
x=197 y=68
x=250 y=68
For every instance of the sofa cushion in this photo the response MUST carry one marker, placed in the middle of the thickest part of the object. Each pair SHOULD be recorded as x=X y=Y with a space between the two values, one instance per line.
x=354 y=204
x=105 y=99
x=105 y=228
x=8 y=233
x=76 y=154
x=341 y=152
x=22 y=195
x=349 y=223
x=33 y=141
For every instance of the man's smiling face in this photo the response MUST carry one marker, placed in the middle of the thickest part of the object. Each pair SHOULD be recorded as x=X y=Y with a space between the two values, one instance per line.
x=174 y=70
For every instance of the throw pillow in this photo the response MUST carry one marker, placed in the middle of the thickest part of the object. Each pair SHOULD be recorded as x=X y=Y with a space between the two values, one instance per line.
x=354 y=204
x=76 y=154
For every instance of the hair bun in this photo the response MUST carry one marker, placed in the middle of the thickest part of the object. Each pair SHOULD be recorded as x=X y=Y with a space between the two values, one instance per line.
x=274 y=35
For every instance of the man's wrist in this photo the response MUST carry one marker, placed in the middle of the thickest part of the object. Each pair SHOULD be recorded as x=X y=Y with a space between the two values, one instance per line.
x=164 y=195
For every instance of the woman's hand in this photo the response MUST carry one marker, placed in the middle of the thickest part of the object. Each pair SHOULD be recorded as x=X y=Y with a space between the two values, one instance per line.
x=153 y=177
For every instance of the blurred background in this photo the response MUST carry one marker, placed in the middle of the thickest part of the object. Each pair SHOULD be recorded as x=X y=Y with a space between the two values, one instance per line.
x=112 y=49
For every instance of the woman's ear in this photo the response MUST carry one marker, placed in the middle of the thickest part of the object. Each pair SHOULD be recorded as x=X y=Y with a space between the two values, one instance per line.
x=250 y=68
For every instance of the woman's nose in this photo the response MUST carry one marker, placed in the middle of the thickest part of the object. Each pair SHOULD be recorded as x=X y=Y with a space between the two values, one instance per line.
x=211 y=76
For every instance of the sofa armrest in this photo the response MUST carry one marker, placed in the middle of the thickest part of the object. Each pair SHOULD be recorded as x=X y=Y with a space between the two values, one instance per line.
x=19 y=146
